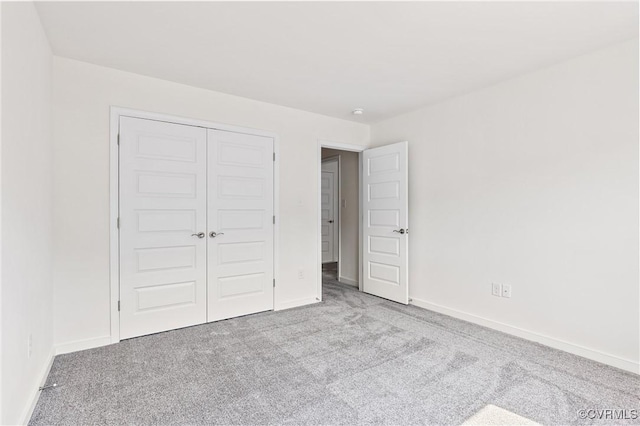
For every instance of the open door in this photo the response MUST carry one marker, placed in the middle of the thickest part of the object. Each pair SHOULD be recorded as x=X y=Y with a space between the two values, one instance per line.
x=385 y=239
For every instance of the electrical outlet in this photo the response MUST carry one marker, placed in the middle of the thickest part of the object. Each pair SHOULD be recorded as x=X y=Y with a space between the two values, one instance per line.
x=301 y=274
x=29 y=346
x=496 y=289
x=506 y=290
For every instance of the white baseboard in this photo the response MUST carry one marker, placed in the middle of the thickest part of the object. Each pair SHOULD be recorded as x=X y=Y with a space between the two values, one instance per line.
x=35 y=393
x=295 y=303
x=81 y=345
x=595 y=355
x=349 y=281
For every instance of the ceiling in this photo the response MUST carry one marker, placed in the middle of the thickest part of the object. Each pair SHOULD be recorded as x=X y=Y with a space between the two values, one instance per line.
x=330 y=57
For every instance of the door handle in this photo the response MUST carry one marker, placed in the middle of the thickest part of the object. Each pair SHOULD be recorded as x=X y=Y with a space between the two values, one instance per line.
x=330 y=221
x=199 y=235
x=400 y=231
x=214 y=234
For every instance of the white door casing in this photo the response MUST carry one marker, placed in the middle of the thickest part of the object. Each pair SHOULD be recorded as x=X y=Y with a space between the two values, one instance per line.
x=240 y=214
x=162 y=185
x=385 y=222
x=329 y=210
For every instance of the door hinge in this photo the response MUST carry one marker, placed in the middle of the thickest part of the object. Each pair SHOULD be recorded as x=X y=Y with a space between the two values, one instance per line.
x=274 y=282
x=118 y=138
x=118 y=306
x=118 y=223
x=274 y=220
x=274 y=156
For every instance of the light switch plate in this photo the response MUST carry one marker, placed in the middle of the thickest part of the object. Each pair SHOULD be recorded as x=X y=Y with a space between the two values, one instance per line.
x=506 y=290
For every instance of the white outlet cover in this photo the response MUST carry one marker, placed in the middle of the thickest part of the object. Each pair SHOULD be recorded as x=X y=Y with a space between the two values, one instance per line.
x=496 y=289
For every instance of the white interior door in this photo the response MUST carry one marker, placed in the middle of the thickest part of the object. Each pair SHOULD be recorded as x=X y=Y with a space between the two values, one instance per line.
x=240 y=224
x=162 y=187
x=329 y=214
x=385 y=222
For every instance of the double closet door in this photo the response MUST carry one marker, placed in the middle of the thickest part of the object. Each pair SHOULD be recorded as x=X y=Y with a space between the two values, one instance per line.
x=195 y=224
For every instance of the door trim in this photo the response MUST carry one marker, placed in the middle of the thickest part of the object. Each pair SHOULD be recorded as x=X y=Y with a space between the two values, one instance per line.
x=323 y=143
x=114 y=197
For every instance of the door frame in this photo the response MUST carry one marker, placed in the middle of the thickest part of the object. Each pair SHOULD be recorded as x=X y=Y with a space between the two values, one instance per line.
x=324 y=143
x=336 y=208
x=114 y=197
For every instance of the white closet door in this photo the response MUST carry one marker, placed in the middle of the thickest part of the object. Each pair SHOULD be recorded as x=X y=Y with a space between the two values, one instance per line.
x=240 y=224
x=386 y=220
x=162 y=204
x=329 y=213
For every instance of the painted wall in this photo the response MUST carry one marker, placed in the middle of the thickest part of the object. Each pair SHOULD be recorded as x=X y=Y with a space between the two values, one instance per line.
x=27 y=297
x=532 y=183
x=349 y=227
x=82 y=96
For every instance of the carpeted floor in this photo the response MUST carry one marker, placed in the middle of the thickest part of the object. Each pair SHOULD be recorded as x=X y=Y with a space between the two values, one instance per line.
x=353 y=359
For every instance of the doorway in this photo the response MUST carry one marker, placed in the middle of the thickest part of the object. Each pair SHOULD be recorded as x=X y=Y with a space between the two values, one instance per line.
x=339 y=216
x=372 y=248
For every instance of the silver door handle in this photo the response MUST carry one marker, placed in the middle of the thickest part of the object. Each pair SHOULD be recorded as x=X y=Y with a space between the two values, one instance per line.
x=214 y=234
x=199 y=235
x=400 y=231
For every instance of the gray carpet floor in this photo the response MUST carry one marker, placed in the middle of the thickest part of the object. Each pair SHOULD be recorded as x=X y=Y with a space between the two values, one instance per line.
x=352 y=359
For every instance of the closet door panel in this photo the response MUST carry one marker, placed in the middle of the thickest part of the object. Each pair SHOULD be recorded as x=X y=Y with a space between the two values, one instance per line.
x=162 y=187
x=240 y=225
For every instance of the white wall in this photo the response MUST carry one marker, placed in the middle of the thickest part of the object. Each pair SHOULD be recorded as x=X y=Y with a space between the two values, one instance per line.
x=533 y=183
x=1 y=334
x=349 y=226
x=82 y=96
x=26 y=209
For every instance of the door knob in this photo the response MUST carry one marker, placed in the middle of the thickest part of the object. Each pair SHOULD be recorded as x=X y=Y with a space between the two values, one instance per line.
x=400 y=231
x=199 y=235
x=214 y=234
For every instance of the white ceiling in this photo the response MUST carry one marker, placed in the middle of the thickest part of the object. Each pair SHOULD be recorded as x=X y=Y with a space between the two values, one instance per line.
x=329 y=58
